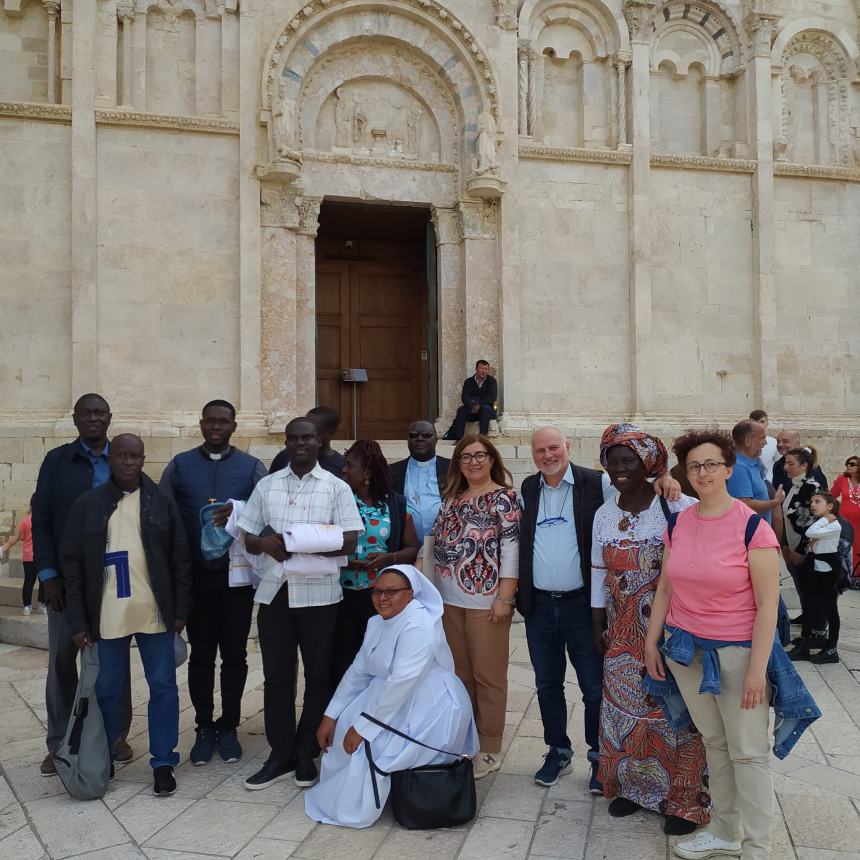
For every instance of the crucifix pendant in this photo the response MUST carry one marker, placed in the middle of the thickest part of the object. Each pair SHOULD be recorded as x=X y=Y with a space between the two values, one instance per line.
x=624 y=524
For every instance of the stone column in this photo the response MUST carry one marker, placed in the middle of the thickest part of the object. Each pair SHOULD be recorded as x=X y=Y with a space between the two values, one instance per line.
x=126 y=14
x=712 y=116
x=250 y=394
x=52 y=11
x=533 y=61
x=451 y=298
x=621 y=61
x=480 y=269
x=279 y=221
x=306 y=303
x=66 y=52
x=523 y=87
x=138 y=61
x=85 y=308
x=638 y=14
x=759 y=23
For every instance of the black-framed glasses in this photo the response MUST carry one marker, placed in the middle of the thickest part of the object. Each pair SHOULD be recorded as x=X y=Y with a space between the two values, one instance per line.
x=387 y=593
x=478 y=457
x=551 y=521
x=421 y=435
x=710 y=466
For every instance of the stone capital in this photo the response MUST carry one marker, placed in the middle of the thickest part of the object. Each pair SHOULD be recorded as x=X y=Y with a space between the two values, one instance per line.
x=278 y=208
x=760 y=20
x=309 y=213
x=52 y=8
x=446 y=224
x=479 y=218
x=621 y=59
x=125 y=10
x=638 y=14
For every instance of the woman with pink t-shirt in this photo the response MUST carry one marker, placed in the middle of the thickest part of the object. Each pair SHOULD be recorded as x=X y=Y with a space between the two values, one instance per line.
x=716 y=591
x=24 y=536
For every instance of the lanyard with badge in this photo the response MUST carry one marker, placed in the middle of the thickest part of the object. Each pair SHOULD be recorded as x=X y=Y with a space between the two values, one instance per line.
x=559 y=519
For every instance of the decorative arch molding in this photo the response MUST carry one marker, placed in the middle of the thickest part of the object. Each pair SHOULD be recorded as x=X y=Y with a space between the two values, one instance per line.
x=173 y=8
x=846 y=42
x=660 y=52
x=606 y=30
x=705 y=16
x=839 y=71
x=422 y=25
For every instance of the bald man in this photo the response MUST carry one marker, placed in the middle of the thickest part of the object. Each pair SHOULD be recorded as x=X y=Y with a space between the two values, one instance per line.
x=127 y=565
x=785 y=441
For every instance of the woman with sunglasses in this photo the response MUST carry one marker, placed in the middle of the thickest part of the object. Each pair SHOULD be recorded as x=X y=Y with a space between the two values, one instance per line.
x=476 y=559
x=403 y=676
x=846 y=488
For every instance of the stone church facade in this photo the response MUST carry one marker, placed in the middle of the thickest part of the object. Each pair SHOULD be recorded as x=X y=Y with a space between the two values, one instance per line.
x=644 y=208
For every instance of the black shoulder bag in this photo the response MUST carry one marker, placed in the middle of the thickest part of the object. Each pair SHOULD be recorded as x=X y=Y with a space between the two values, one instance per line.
x=424 y=798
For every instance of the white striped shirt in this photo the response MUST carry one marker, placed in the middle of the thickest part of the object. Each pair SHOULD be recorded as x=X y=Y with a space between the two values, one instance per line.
x=282 y=499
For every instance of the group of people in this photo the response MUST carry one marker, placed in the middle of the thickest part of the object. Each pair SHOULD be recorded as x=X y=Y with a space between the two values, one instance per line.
x=638 y=584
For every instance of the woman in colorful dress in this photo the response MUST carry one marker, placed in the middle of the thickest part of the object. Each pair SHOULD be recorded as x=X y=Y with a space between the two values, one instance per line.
x=476 y=565
x=389 y=538
x=644 y=764
x=846 y=488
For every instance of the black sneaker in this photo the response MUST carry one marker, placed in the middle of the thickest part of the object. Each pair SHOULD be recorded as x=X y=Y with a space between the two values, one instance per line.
x=826 y=655
x=229 y=747
x=595 y=786
x=204 y=746
x=270 y=773
x=556 y=763
x=306 y=773
x=165 y=781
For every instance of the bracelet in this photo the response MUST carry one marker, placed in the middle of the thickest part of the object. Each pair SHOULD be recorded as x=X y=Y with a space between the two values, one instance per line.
x=511 y=602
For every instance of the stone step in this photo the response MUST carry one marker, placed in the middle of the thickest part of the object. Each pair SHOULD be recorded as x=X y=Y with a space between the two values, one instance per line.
x=31 y=631
x=10 y=591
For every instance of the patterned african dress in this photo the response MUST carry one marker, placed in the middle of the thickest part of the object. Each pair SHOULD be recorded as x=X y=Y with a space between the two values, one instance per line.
x=641 y=758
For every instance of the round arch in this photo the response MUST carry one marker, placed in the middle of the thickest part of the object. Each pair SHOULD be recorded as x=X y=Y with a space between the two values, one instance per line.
x=606 y=30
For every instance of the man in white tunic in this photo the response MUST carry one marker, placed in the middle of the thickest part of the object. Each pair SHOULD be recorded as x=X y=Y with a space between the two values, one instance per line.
x=404 y=677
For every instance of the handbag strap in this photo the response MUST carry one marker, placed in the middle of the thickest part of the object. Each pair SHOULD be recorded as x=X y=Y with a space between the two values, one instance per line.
x=373 y=771
x=406 y=737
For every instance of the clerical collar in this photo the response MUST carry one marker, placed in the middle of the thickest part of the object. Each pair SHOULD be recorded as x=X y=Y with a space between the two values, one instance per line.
x=424 y=464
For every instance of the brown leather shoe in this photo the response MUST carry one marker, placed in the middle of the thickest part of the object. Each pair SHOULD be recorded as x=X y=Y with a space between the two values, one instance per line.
x=47 y=767
x=122 y=751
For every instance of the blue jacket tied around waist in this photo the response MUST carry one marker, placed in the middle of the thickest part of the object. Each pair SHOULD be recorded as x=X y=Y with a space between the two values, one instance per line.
x=792 y=703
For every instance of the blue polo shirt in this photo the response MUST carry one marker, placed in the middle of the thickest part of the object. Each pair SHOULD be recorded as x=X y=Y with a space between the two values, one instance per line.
x=746 y=481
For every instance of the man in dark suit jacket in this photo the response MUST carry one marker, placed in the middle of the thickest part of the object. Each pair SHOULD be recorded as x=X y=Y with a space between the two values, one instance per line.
x=421 y=476
x=479 y=396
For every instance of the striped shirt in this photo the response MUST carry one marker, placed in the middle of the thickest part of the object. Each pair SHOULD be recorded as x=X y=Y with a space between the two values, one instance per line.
x=282 y=499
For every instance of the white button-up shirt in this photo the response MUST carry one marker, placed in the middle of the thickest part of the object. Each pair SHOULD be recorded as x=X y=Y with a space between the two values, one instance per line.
x=282 y=499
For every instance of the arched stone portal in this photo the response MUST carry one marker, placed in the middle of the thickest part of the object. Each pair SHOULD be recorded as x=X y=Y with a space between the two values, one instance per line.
x=393 y=103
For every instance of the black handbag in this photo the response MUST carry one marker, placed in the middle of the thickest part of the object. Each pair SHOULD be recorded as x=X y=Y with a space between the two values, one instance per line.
x=424 y=798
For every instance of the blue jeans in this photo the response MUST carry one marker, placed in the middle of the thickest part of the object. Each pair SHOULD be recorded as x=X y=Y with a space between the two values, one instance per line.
x=556 y=624
x=156 y=653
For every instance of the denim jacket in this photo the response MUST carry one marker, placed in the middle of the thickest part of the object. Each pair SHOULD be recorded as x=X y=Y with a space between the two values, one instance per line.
x=794 y=707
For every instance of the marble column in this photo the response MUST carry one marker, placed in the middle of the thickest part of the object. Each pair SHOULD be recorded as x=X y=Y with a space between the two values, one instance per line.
x=523 y=87
x=126 y=14
x=306 y=303
x=759 y=23
x=451 y=298
x=52 y=11
x=533 y=61
x=621 y=62
x=638 y=14
x=85 y=309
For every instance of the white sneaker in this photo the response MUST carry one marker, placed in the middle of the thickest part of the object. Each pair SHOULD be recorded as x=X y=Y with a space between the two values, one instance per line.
x=42 y=609
x=705 y=844
x=485 y=763
x=26 y=610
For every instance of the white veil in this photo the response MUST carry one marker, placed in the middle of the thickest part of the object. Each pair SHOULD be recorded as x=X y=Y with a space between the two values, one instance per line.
x=426 y=595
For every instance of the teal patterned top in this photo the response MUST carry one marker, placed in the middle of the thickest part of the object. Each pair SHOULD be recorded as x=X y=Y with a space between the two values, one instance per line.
x=377 y=530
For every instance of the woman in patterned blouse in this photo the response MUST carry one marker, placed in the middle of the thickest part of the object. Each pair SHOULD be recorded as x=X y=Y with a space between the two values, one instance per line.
x=476 y=555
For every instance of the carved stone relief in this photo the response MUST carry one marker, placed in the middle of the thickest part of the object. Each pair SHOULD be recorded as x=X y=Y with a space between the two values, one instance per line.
x=379 y=118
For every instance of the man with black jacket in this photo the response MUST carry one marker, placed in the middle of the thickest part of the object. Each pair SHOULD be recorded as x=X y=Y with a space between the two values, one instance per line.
x=66 y=473
x=128 y=573
x=221 y=617
x=421 y=476
x=479 y=396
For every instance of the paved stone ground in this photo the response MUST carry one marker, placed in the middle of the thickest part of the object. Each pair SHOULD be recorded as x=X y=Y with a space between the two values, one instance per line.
x=212 y=815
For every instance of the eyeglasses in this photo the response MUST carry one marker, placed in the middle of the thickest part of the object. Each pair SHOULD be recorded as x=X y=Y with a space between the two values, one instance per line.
x=387 y=593
x=710 y=466
x=551 y=521
x=425 y=435
x=478 y=457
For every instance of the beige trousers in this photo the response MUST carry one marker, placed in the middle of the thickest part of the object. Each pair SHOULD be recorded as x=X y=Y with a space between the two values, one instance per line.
x=480 y=649
x=737 y=747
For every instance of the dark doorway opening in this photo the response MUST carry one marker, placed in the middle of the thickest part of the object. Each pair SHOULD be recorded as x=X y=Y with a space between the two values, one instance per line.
x=374 y=313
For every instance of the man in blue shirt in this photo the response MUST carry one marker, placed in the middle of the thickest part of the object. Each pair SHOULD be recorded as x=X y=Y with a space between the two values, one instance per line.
x=66 y=473
x=421 y=476
x=746 y=481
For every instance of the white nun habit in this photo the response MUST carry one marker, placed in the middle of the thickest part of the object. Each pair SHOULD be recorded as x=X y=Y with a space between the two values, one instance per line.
x=404 y=676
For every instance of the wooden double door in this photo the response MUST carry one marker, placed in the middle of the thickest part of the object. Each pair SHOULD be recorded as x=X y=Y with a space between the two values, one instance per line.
x=373 y=316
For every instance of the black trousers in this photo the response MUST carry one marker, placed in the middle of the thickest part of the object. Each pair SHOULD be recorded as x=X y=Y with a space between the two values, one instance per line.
x=353 y=613
x=811 y=593
x=220 y=621
x=29 y=582
x=464 y=413
x=283 y=633
x=823 y=601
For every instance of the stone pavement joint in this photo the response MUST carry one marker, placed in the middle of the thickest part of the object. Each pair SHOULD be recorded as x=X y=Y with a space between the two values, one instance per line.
x=213 y=816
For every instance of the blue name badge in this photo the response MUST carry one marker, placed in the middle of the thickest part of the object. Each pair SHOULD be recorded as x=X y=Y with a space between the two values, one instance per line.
x=119 y=562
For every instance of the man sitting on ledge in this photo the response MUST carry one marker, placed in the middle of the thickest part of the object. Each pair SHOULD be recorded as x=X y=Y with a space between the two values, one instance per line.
x=480 y=393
